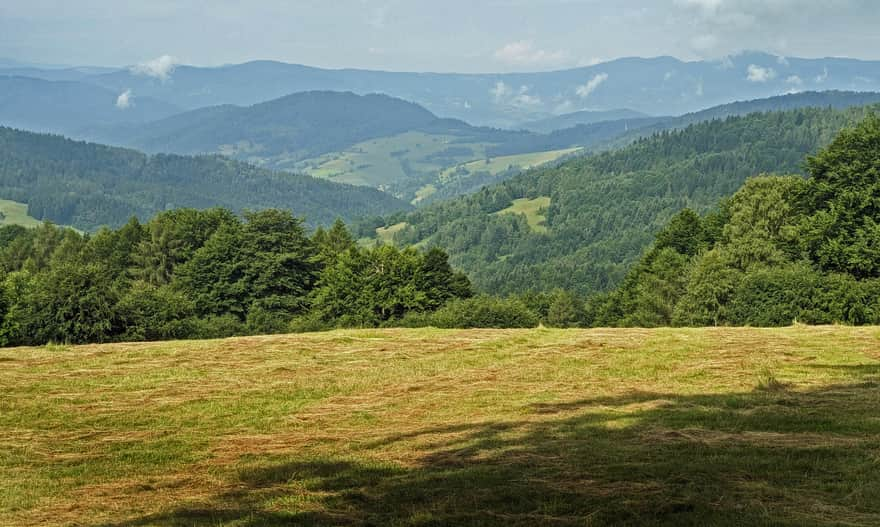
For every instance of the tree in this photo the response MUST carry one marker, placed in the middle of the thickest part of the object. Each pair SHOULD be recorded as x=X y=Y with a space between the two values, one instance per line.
x=70 y=303
x=842 y=233
x=684 y=234
x=172 y=238
x=762 y=227
x=565 y=311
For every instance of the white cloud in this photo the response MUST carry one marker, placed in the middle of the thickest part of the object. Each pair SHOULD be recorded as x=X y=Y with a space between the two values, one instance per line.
x=124 y=101
x=504 y=94
x=782 y=61
x=822 y=77
x=668 y=75
x=500 y=91
x=794 y=80
x=524 y=53
x=565 y=106
x=725 y=63
x=591 y=85
x=760 y=74
x=699 y=90
x=160 y=67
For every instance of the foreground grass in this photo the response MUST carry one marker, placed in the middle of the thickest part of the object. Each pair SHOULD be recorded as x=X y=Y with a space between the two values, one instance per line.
x=430 y=427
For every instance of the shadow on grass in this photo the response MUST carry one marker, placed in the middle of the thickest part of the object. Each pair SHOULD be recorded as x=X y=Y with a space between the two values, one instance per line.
x=760 y=458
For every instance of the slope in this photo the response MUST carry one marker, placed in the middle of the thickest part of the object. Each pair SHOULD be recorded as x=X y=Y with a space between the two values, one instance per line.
x=87 y=185
x=569 y=120
x=292 y=128
x=605 y=209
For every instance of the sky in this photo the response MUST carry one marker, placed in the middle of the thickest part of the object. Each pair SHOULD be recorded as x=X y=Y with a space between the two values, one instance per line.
x=429 y=35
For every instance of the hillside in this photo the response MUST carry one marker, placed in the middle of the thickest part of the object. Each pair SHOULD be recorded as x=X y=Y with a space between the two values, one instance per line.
x=569 y=120
x=429 y=427
x=86 y=185
x=814 y=99
x=279 y=131
x=370 y=140
x=605 y=209
x=69 y=106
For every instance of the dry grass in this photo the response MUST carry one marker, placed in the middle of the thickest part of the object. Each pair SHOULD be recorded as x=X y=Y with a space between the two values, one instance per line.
x=430 y=427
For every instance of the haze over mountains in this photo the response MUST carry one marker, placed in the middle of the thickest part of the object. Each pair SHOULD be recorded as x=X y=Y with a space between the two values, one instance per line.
x=654 y=86
x=404 y=141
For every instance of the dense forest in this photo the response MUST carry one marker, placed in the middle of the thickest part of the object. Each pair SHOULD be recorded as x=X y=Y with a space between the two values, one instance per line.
x=783 y=249
x=605 y=209
x=201 y=274
x=88 y=185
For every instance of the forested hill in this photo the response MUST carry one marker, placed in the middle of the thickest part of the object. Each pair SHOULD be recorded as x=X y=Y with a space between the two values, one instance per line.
x=836 y=99
x=617 y=133
x=582 y=224
x=295 y=127
x=88 y=185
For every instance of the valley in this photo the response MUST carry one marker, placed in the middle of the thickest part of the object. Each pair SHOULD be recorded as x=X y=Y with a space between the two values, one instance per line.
x=428 y=264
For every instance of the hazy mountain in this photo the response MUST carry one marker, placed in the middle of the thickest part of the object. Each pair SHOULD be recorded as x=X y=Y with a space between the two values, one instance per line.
x=294 y=127
x=67 y=106
x=573 y=119
x=609 y=134
x=87 y=185
x=828 y=99
x=655 y=86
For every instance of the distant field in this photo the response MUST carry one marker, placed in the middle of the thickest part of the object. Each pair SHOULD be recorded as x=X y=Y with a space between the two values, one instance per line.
x=386 y=234
x=14 y=213
x=413 y=165
x=386 y=160
x=532 y=209
x=496 y=165
x=429 y=427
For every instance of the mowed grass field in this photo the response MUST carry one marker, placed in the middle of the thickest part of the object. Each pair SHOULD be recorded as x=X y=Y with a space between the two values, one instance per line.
x=443 y=427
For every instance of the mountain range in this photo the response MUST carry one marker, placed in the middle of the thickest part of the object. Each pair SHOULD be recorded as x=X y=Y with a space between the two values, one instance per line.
x=653 y=86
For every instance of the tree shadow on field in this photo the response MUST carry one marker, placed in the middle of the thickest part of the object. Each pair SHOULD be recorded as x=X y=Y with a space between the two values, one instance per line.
x=780 y=457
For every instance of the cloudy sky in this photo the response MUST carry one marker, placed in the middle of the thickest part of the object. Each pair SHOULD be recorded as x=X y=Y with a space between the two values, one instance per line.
x=430 y=35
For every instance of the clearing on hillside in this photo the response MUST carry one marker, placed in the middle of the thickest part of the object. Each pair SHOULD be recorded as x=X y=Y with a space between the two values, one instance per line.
x=15 y=213
x=431 y=427
x=533 y=209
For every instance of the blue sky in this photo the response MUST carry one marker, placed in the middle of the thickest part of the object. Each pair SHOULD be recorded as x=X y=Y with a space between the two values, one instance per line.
x=430 y=35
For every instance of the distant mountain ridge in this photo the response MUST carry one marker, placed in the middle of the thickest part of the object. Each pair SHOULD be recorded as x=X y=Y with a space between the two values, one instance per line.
x=569 y=120
x=654 y=86
x=65 y=106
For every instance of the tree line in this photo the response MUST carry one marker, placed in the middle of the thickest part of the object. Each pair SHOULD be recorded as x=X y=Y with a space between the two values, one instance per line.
x=198 y=274
x=782 y=249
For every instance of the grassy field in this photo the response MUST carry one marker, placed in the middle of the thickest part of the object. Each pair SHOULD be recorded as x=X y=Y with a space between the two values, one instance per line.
x=381 y=162
x=15 y=213
x=430 y=427
x=496 y=165
x=533 y=209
